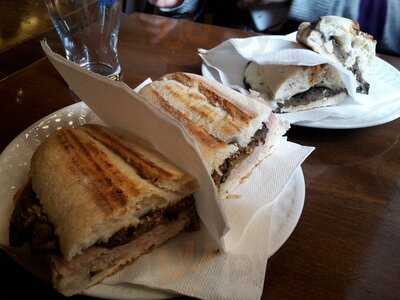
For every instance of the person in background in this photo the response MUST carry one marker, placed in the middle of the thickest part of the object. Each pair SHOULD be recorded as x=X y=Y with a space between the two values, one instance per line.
x=181 y=9
x=381 y=18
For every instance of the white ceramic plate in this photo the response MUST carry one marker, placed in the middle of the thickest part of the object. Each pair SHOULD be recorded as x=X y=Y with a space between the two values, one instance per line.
x=366 y=120
x=14 y=167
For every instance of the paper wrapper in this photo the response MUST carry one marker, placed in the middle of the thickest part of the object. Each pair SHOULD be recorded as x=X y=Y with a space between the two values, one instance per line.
x=191 y=263
x=227 y=61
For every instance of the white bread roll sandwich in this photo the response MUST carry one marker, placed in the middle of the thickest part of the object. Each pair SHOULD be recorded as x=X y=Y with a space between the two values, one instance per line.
x=97 y=204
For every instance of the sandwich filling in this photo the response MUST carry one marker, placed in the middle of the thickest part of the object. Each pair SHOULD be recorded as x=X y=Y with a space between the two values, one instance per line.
x=219 y=176
x=30 y=225
x=312 y=95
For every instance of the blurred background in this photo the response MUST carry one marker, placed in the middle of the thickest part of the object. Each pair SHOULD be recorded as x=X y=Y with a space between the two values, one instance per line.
x=25 y=22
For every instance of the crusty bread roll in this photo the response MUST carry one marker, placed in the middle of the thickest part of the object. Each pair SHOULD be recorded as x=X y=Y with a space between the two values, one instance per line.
x=342 y=40
x=98 y=203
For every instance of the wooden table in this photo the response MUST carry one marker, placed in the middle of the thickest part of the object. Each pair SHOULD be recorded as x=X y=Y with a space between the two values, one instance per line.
x=22 y=24
x=347 y=243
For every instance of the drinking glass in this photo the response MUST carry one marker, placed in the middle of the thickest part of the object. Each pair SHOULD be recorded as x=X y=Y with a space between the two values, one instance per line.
x=88 y=31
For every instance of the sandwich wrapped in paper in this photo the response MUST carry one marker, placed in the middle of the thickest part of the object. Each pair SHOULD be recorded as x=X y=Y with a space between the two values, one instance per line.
x=227 y=126
x=313 y=68
x=291 y=88
x=96 y=203
x=129 y=114
x=189 y=264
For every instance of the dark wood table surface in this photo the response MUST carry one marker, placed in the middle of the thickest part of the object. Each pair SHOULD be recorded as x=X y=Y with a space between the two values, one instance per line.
x=347 y=243
x=22 y=24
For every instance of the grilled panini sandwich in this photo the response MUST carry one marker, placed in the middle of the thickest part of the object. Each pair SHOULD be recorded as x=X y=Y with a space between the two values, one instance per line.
x=227 y=126
x=97 y=204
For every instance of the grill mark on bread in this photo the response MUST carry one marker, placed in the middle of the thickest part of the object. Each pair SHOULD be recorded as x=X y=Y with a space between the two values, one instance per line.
x=199 y=132
x=212 y=97
x=188 y=97
x=181 y=98
x=144 y=167
x=104 y=175
x=117 y=178
x=229 y=107
x=102 y=202
x=89 y=162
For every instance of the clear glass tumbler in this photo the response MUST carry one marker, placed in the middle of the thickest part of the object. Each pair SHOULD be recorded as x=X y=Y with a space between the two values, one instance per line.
x=89 y=33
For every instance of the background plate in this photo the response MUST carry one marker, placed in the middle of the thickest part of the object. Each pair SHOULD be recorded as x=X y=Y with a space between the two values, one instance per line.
x=367 y=120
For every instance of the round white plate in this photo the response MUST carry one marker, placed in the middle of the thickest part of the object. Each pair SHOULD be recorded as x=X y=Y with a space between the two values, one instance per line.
x=14 y=168
x=366 y=120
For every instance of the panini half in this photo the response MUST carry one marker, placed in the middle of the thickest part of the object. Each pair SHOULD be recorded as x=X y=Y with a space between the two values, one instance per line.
x=97 y=203
x=227 y=126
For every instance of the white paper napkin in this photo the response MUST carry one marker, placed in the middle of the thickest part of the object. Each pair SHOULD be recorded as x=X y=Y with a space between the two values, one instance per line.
x=228 y=60
x=190 y=265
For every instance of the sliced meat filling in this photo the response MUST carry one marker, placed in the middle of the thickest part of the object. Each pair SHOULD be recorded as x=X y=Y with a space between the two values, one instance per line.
x=311 y=95
x=243 y=152
x=29 y=224
x=150 y=220
x=363 y=87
